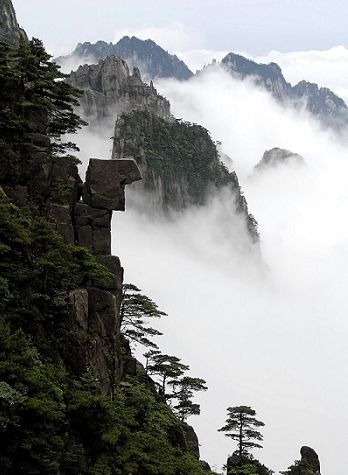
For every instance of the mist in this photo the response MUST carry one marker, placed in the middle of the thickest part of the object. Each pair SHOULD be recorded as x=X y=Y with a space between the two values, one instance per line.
x=267 y=332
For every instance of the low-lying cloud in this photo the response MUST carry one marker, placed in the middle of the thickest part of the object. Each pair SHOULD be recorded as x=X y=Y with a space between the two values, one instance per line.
x=270 y=334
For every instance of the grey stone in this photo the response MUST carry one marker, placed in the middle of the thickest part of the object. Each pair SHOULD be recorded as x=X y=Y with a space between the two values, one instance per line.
x=105 y=182
x=191 y=440
x=10 y=32
x=113 y=264
x=59 y=213
x=85 y=236
x=85 y=214
x=101 y=240
x=78 y=299
x=110 y=89
x=310 y=459
x=102 y=310
x=130 y=366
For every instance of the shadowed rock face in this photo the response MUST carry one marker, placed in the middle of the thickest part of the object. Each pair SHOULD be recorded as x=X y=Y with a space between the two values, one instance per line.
x=151 y=59
x=10 y=32
x=276 y=157
x=319 y=101
x=310 y=459
x=110 y=89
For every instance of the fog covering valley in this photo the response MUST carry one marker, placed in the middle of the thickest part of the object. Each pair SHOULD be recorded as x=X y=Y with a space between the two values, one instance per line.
x=269 y=331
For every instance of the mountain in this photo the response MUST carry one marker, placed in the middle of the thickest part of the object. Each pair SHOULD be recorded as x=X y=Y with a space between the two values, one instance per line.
x=152 y=60
x=10 y=32
x=109 y=89
x=73 y=398
x=320 y=101
x=278 y=156
x=179 y=162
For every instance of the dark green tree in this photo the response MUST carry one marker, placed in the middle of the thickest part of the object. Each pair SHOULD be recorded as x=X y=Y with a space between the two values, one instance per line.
x=183 y=390
x=241 y=425
x=136 y=309
x=167 y=368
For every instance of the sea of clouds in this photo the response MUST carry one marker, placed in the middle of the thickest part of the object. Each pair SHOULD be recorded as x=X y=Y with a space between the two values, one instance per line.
x=268 y=333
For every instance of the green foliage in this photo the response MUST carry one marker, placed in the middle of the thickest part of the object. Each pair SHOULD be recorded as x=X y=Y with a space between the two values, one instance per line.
x=241 y=426
x=136 y=308
x=299 y=467
x=170 y=370
x=52 y=419
x=246 y=464
x=36 y=109
x=176 y=152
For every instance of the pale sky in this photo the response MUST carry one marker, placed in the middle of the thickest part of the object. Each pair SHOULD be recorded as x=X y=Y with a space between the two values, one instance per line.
x=255 y=26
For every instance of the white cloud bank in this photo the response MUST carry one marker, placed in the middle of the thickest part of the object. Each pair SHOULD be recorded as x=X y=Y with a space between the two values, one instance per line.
x=275 y=340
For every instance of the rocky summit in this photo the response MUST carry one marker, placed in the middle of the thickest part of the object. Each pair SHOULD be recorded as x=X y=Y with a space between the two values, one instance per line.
x=152 y=60
x=109 y=89
x=319 y=101
x=276 y=157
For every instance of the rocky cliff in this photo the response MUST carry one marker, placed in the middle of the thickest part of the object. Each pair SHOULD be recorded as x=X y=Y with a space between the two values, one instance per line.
x=152 y=60
x=319 y=101
x=308 y=465
x=179 y=162
x=73 y=400
x=10 y=32
x=109 y=89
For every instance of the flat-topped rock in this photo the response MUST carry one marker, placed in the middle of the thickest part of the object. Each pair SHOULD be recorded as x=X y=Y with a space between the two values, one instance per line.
x=106 y=180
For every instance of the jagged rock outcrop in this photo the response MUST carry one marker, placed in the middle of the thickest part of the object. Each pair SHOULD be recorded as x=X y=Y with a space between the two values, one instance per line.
x=94 y=344
x=10 y=32
x=268 y=75
x=308 y=465
x=152 y=60
x=179 y=162
x=110 y=89
x=276 y=157
x=310 y=460
x=319 y=101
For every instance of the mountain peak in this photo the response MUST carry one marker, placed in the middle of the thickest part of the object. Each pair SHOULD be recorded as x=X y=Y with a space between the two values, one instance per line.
x=151 y=59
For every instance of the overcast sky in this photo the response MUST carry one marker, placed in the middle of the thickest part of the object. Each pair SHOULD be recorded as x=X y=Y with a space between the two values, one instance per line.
x=255 y=26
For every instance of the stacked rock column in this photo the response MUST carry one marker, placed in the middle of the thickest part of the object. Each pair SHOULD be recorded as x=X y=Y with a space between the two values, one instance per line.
x=96 y=310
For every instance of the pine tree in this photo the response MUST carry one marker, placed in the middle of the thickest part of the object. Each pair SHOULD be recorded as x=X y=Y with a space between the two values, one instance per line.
x=241 y=426
x=136 y=308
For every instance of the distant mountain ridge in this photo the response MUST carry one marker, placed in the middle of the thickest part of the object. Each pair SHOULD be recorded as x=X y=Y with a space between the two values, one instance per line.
x=320 y=101
x=152 y=60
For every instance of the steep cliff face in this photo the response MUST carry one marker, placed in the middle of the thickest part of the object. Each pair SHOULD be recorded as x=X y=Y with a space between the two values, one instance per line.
x=321 y=102
x=10 y=32
x=152 y=60
x=179 y=162
x=110 y=89
x=73 y=400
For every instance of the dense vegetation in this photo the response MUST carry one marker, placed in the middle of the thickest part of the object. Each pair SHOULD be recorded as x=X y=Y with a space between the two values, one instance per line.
x=51 y=417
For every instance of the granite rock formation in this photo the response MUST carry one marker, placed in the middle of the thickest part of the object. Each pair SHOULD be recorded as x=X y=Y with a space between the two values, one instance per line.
x=310 y=460
x=319 y=101
x=276 y=157
x=10 y=32
x=179 y=162
x=152 y=60
x=110 y=89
